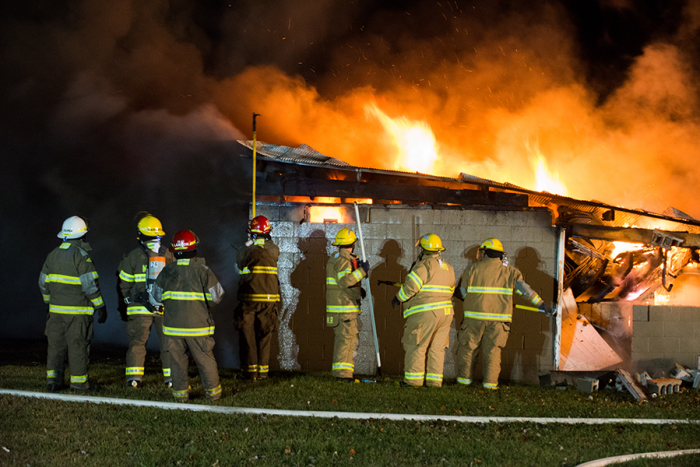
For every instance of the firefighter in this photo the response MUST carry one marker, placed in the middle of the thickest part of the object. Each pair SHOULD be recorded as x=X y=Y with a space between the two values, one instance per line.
x=256 y=315
x=187 y=288
x=69 y=285
x=344 y=271
x=138 y=271
x=427 y=293
x=487 y=288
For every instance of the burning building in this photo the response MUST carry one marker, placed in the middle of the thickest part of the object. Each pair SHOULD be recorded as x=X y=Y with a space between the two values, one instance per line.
x=613 y=271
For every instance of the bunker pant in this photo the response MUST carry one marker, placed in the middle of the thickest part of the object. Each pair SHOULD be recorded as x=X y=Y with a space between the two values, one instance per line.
x=346 y=336
x=68 y=335
x=426 y=332
x=256 y=322
x=201 y=349
x=138 y=327
x=492 y=336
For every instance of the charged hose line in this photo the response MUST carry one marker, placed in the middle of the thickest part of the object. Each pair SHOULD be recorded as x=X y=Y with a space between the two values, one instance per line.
x=346 y=415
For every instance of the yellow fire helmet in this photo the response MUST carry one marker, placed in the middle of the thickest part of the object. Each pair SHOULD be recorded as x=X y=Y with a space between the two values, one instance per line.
x=492 y=244
x=151 y=227
x=430 y=242
x=345 y=237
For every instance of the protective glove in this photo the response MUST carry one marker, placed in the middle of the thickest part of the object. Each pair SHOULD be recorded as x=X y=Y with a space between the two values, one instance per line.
x=364 y=265
x=395 y=303
x=363 y=293
x=548 y=310
x=101 y=314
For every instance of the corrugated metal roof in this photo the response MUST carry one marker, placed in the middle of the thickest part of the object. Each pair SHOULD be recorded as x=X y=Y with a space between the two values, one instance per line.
x=303 y=154
x=671 y=219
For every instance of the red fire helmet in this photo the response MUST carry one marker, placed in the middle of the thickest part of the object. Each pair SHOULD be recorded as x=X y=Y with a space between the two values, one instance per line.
x=184 y=240
x=260 y=225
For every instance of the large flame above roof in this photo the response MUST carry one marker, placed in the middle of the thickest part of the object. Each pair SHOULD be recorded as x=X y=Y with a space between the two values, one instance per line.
x=416 y=147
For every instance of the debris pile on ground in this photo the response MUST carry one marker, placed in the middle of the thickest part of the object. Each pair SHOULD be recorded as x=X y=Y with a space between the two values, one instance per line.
x=643 y=385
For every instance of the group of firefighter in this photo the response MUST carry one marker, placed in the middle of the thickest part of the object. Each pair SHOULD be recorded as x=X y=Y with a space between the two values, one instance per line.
x=172 y=290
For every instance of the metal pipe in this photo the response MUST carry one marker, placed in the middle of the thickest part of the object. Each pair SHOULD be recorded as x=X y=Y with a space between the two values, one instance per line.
x=255 y=146
x=369 y=292
x=561 y=258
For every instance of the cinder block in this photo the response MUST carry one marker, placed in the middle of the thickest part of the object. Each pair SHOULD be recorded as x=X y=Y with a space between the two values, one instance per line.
x=688 y=314
x=534 y=342
x=640 y=313
x=293 y=213
x=385 y=216
x=678 y=329
x=541 y=218
x=648 y=329
x=370 y=231
x=451 y=217
x=587 y=384
x=527 y=234
x=417 y=217
x=451 y=233
x=516 y=341
x=664 y=345
x=509 y=218
x=504 y=233
x=664 y=386
x=400 y=231
x=271 y=211
x=308 y=229
x=282 y=229
x=640 y=344
x=664 y=313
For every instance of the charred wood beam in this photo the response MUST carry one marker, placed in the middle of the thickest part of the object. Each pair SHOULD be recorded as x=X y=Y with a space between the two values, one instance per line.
x=629 y=234
x=421 y=194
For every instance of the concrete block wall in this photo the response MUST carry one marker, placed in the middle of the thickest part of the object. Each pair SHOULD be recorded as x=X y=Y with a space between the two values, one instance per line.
x=303 y=341
x=663 y=336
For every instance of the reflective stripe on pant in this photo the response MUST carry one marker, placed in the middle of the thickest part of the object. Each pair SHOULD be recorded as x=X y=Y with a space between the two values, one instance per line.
x=138 y=327
x=201 y=350
x=425 y=332
x=491 y=336
x=256 y=321
x=346 y=336
x=68 y=335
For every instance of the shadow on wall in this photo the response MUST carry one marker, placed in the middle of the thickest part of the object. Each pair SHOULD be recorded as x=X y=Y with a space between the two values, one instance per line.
x=389 y=322
x=306 y=320
x=528 y=339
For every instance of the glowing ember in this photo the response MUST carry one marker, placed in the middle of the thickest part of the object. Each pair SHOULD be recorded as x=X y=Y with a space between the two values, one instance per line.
x=328 y=214
x=622 y=247
x=416 y=148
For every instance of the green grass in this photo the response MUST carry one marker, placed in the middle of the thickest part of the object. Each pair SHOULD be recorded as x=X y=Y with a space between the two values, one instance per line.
x=42 y=432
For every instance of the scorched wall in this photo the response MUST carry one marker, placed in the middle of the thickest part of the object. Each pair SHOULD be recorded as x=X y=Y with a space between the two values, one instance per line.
x=303 y=341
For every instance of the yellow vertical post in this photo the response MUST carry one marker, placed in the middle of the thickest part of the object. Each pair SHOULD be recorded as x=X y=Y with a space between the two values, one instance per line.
x=255 y=146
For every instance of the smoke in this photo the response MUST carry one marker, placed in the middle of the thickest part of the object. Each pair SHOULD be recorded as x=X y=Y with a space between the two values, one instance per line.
x=109 y=108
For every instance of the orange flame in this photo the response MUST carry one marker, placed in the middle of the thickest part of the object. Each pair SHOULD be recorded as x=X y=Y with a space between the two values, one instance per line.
x=416 y=147
x=328 y=214
x=622 y=247
x=545 y=179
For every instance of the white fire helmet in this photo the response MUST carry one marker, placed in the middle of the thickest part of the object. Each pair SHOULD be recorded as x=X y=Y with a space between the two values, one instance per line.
x=73 y=227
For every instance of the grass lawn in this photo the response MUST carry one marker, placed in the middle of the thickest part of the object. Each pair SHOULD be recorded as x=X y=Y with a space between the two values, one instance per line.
x=44 y=432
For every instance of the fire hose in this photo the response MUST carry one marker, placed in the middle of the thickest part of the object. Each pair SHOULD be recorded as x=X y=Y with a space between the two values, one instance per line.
x=369 y=292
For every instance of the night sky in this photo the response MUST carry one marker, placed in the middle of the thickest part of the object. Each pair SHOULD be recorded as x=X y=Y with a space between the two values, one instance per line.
x=109 y=108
